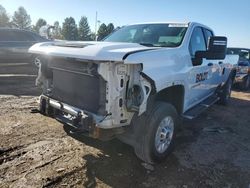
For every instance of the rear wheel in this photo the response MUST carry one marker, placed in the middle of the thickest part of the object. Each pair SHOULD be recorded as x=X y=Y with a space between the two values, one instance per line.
x=246 y=83
x=157 y=133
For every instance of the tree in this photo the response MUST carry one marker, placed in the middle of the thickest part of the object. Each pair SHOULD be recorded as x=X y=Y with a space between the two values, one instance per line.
x=110 y=28
x=102 y=31
x=69 y=29
x=21 y=19
x=4 y=19
x=84 y=32
x=40 y=22
x=57 y=31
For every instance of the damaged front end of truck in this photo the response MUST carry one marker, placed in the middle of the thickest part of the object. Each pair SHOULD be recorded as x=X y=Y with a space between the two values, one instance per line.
x=96 y=97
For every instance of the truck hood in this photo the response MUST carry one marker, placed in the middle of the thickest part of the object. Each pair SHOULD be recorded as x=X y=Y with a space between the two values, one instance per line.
x=97 y=51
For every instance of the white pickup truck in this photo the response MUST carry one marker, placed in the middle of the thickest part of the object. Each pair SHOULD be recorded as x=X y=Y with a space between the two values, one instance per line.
x=137 y=84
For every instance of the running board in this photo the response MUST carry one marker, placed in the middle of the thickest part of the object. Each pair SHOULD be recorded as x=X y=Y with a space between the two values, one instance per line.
x=199 y=108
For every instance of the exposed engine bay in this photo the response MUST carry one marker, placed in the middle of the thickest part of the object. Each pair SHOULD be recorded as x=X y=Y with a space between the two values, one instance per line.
x=88 y=93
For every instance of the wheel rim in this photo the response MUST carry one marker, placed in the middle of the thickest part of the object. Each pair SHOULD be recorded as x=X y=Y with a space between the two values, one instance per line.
x=164 y=134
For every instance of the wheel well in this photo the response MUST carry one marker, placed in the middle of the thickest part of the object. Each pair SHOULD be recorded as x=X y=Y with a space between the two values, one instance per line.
x=173 y=95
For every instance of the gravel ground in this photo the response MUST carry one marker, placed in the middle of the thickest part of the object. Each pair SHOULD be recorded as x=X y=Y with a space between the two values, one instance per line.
x=36 y=151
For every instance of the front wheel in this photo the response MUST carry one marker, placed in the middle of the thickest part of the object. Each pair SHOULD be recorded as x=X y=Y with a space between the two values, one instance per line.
x=226 y=92
x=157 y=136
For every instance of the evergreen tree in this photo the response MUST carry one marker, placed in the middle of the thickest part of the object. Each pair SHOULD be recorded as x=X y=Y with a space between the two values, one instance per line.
x=4 y=19
x=110 y=28
x=84 y=32
x=102 y=31
x=69 y=29
x=21 y=19
x=40 y=22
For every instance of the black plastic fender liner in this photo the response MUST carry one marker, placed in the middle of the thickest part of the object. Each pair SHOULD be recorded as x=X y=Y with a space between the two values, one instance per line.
x=153 y=91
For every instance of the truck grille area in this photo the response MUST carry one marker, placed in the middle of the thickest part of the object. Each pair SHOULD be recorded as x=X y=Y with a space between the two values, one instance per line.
x=78 y=84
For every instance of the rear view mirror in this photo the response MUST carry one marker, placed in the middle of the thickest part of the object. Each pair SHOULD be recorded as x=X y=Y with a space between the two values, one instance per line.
x=217 y=47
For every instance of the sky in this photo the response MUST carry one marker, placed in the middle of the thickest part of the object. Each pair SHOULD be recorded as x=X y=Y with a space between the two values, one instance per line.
x=229 y=18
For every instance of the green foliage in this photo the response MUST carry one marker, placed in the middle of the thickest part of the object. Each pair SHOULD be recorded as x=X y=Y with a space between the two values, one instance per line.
x=105 y=30
x=84 y=32
x=40 y=22
x=102 y=31
x=4 y=19
x=21 y=19
x=69 y=29
x=110 y=28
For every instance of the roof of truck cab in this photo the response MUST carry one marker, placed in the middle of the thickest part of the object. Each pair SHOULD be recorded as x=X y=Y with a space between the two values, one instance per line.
x=173 y=22
x=238 y=48
x=170 y=22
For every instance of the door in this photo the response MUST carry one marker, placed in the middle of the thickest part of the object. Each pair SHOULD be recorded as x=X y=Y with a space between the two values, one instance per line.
x=200 y=76
x=14 y=44
x=216 y=67
x=23 y=41
x=5 y=45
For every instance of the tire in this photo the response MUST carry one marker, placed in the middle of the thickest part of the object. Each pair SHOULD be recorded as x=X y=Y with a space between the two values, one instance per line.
x=45 y=109
x=226 y=92
x=246 y=83
x=42 y=106
x=156 y=138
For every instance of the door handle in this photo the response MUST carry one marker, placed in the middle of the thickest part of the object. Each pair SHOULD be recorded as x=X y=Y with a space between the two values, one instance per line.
x=210 y=64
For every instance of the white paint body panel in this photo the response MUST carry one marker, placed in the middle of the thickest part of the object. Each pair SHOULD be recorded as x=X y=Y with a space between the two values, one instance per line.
x=96 y=51
x=165 y=66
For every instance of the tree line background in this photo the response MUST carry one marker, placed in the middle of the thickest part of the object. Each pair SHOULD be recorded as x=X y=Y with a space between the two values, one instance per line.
x=68 y=31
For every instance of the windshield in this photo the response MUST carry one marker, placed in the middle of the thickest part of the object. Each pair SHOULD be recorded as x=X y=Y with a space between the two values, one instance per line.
x=155 y=35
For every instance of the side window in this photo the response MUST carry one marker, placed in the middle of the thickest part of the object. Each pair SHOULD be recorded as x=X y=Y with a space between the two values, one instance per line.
x=15 y=36
x=5 y=36
x=22 y=36
x=208 y=34
x=197 y=42
x=38 y=38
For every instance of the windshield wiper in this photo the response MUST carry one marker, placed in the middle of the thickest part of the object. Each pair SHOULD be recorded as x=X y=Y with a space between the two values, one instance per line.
x=147 y=44
x=167 y=44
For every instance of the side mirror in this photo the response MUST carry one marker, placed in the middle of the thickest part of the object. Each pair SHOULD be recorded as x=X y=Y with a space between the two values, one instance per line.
x=217 y=47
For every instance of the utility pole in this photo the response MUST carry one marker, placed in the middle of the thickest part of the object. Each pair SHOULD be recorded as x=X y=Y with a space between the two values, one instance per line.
x=95 y=22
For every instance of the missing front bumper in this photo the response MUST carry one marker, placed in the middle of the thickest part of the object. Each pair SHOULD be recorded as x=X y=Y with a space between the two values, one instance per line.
x=81 y=121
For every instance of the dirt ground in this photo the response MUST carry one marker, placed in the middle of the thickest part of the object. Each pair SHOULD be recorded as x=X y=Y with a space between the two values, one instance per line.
x=35 y=151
